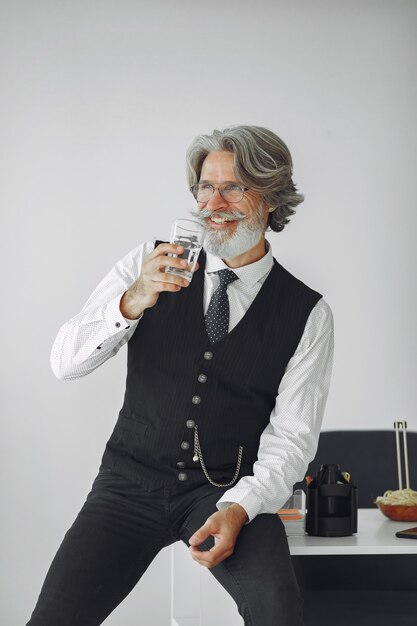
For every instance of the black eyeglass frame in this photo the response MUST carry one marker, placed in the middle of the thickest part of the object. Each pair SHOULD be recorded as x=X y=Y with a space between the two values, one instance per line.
x=220 y=190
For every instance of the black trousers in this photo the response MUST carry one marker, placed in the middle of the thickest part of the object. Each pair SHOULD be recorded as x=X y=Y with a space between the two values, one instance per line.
x=122 y=527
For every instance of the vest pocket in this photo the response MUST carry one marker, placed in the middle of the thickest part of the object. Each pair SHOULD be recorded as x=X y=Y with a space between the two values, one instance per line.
x=128 y=433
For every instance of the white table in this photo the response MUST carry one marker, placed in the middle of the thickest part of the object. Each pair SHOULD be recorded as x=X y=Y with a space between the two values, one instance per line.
x=199 y=600
x=376 y=535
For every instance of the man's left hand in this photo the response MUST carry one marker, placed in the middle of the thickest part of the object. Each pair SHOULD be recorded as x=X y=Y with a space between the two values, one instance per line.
x=225 y=527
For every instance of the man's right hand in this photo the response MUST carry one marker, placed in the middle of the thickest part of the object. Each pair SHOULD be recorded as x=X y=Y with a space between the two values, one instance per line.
x=153 y=279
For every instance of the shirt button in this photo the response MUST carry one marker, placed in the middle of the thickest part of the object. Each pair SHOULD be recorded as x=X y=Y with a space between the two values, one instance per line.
x=202 y=378
x=117 y=324
x=180 y=464
x=185 y=445
x=196 y=400
x=208 y=356
x=190 y=423
x=182 y=476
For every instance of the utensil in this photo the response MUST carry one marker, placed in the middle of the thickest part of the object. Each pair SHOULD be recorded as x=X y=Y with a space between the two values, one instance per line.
x=397 y=427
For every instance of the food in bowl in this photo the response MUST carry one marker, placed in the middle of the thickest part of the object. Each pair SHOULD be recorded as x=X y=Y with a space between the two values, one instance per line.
x=399 y=505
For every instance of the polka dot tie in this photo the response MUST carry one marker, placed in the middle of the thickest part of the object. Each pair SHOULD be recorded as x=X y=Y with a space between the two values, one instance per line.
x=217 y=316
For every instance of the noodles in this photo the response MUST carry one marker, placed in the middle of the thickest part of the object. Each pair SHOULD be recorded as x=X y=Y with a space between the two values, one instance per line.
x=400 y=497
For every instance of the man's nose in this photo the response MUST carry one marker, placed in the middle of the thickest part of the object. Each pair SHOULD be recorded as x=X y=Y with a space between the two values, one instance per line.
x=216 y=201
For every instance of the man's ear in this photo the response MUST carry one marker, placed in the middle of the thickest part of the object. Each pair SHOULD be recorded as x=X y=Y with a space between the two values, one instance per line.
x=266 y=207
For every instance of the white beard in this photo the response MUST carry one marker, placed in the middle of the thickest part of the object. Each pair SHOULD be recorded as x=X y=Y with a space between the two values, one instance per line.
x=226 y=246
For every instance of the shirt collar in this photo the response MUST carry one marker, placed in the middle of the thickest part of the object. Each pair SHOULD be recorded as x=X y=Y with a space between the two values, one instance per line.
x=249 y=274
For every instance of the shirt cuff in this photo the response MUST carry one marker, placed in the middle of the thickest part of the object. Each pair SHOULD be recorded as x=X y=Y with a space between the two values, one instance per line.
x=247 y=499
x=115 y=321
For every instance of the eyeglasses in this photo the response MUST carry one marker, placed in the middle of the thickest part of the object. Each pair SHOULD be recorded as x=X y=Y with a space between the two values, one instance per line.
x=231 y=192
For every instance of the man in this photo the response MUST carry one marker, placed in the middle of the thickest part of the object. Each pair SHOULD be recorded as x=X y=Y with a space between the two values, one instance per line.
x=214 y=430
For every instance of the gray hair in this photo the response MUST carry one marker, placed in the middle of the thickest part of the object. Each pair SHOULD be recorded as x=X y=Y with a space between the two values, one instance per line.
x=262 y=162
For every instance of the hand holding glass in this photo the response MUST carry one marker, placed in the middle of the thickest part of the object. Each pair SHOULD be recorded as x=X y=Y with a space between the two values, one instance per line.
x=190 y=235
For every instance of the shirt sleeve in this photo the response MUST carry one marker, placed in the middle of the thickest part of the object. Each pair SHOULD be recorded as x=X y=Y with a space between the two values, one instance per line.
x=99 y=331
x=289 y=442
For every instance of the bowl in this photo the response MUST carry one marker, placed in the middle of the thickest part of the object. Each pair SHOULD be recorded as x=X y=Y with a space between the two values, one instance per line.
x=399 y=512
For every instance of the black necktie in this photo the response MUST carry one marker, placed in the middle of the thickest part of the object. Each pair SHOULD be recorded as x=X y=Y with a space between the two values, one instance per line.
x=217 y=316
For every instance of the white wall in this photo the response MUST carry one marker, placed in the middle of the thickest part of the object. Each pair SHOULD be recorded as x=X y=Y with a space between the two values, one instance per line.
x=99 y=101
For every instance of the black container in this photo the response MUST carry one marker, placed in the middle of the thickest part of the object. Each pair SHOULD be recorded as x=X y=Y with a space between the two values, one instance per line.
x=332 y=504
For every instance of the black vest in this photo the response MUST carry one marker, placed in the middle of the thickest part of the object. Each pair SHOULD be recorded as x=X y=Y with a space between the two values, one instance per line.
x=176 y=379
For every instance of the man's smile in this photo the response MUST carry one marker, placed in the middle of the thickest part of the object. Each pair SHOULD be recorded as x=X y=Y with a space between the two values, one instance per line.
x=220 y=223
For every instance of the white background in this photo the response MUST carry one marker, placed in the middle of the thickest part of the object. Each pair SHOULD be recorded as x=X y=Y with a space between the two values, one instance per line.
x=99 y=101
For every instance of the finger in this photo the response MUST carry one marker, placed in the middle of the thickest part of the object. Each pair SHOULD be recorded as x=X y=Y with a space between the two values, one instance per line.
x=166 y=278
x=211 y=558
x=166 y=261
x=159 y=287
x=200 y=535
x=165 y=248
x=175 y=261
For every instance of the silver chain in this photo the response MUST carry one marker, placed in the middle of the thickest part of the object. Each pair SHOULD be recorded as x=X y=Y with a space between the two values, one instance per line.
x=198 y=456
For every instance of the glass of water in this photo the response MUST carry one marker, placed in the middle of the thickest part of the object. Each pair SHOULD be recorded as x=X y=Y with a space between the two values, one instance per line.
x=190 y=235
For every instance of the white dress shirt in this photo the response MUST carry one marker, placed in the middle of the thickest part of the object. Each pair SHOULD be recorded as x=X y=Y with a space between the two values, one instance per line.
x=289 y=441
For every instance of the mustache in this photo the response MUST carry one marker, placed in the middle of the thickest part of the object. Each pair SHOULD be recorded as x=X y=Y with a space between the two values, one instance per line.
x=202 y=214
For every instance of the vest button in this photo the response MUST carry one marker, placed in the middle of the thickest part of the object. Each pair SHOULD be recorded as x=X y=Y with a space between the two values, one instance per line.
x=190 y=423
x=117 y=324
x=181 y=464
x=202 y=378
x=182 y=476
x=196 y=400
x=185 y=445
x=208 y=356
